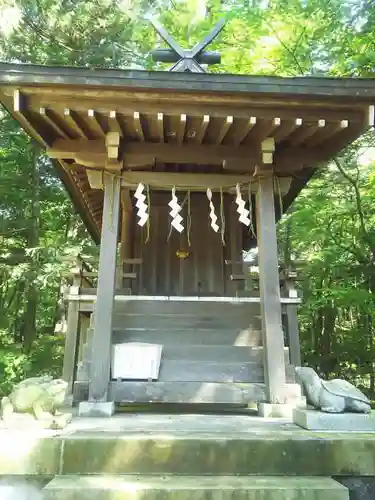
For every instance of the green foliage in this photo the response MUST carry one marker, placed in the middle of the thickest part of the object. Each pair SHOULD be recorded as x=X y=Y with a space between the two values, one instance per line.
x=45 y=358
x=329 y=231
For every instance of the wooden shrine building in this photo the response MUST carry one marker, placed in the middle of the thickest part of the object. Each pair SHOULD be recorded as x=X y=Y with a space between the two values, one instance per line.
x=112 y=134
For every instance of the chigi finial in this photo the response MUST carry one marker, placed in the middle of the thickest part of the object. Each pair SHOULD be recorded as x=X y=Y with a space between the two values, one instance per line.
x=187 y=59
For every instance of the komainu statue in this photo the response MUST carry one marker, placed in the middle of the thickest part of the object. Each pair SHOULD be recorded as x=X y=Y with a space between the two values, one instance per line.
x=332 y=396
x=40 y=397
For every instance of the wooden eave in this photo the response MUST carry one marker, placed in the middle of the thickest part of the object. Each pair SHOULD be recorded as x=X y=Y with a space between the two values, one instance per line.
x=211 y=124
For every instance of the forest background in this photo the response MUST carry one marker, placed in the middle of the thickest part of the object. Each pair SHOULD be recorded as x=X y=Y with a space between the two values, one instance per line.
x=329 y=230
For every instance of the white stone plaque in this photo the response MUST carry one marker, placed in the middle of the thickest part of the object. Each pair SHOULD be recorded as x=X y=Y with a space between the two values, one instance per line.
x=136 y=361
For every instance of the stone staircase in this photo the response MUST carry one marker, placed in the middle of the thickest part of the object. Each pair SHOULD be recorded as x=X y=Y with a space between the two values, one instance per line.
x=194 y=488
x=166 y=457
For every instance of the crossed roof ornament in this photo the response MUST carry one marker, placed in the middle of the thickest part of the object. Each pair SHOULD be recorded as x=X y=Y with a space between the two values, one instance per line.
x=187 y=59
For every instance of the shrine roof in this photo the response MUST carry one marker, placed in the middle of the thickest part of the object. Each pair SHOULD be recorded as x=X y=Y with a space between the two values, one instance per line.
x=207 y=126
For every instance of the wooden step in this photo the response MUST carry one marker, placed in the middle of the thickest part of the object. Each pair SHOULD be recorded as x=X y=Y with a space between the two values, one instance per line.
x=188 y=321
x=215 y=371
x=173 y=335
x=210 y=371
x=184 y=392
x=200 y=352
x=106 y=487
x=207 y=307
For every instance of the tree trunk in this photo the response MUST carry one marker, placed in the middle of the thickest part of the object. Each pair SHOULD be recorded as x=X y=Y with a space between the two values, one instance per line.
x=31 y=293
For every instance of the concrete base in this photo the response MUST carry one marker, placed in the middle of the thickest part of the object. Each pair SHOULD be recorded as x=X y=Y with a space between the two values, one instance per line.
x=270 y=410
x=314 y=420
x=96 y=409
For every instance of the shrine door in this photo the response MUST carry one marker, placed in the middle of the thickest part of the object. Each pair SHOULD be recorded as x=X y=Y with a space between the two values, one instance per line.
x=191 y=263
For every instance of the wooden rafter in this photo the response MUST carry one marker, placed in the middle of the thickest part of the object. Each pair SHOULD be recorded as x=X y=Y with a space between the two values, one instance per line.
x=94 y=123
x=72 y=119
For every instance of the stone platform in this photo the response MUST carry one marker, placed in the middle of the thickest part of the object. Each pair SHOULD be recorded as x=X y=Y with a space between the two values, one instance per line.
x=185 y=444
x=174 y=456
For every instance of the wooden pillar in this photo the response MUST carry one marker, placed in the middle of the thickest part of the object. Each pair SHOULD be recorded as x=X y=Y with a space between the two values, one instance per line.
x=71 y=337
x=292 y=323
x=269 y=286
x=293 y=334
x=102 y=335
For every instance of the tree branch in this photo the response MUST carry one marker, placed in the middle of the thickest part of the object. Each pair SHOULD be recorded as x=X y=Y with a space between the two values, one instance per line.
x=358 y=201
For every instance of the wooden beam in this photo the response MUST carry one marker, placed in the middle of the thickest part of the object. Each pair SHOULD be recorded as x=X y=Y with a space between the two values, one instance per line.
x=70 y=148
x=163 y=153
x=70 y=117
x=126 y=103
x=113 y=123
x=21 y=114
x=244 y=132
x=93 y=119
x=112 y=142
x=224 y=129
x=243 y=158
x=264 y=129
x=95 y=179
x=165 y=180
x=371 y=116
x=268 y=148
x=305 y=132
x=102 y=334
x=269 y=286
x=199 y=182
x=138 y=126
x=202 y=129
x=181 y=129
x=286 y=129
x=48 y=117
x=160 y=127
x=324 y=133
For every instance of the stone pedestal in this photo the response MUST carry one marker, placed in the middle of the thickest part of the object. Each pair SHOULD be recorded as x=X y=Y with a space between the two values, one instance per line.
x=270 y=410
x=96 y=409
x=315 y=420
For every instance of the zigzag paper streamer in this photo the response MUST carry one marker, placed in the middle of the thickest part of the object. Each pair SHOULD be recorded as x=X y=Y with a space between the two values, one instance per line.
x=212 y=214
x=244 y=213
x=175 y=212
x=141 y=205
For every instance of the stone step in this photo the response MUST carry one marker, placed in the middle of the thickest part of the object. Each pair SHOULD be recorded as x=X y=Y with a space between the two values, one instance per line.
x=191 y=321
x=165 y=331
x=229 y=353
x=189 y=445
x=215 y=371
x=196 y=488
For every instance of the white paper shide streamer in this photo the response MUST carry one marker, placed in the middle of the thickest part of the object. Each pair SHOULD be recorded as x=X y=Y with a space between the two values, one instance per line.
x=212 y=214
x=175 y=212
x=141 y=205
x=244 y=213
